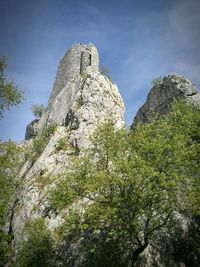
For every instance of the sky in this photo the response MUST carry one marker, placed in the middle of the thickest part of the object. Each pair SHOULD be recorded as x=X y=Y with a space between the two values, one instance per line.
x=138 y=40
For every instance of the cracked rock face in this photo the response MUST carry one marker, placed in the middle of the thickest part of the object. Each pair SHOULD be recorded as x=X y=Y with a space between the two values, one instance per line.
x=31 y=129
x=170 y=87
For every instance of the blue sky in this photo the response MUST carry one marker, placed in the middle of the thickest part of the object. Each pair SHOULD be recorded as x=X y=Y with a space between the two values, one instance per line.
x=137 y=40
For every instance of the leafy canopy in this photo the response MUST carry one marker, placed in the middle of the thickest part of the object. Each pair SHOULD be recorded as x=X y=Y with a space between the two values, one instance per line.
x=38 y=110
x=134 y=182
x=10 y=94
x=37 y=250
x=11 y=160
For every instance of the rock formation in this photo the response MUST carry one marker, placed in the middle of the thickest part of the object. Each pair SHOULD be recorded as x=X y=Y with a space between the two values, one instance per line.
x=81 y=98
x=170 y=87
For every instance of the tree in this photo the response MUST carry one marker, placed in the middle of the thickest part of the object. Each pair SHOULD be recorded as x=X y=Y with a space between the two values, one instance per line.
x=135 y=183
x=185 y=244
x=38 y=110
x=10 y=95
x=11 y=160
x=37 y=250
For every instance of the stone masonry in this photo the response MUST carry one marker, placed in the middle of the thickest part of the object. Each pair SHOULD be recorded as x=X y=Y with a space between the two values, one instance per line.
x=74 y=62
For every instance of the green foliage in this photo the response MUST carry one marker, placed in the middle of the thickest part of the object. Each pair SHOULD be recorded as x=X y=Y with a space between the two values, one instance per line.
x=156 y=80
x=12 y=158
x=71 y=228
x=43 y=180
x=106 y=72
x=38 y=110
x=83 y=74
x=10 y=95
x=4 y=247
x=134 y=182
x=79 y=102
x=38 y=248
x=49 y=130
x=185 y=244
x=61 y=143
x=39 y=143
x=11 y=161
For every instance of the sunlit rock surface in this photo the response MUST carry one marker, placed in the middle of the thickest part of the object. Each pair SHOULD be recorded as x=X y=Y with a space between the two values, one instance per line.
x=170 y=87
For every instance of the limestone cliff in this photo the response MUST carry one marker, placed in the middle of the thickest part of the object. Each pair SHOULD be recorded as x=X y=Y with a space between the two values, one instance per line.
x=81 y=98
x=170 y=87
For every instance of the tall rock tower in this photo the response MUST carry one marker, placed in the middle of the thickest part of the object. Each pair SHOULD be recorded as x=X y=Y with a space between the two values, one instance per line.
x=81 y=98
x=81 y=95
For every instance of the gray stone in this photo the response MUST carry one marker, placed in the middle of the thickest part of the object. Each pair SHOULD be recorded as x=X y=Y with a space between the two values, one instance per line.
x=72 y=69
x=81 y=98
x=170 y=87
x=74 y=62
x=32 y=129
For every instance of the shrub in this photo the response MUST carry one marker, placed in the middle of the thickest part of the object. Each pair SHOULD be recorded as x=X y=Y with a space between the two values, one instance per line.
x=37 y=250
x=38 y=110
x=61 y=144
x=39 y=143
x=135 y=183
x=79 y=102
x=49 y=130
x=156 y=80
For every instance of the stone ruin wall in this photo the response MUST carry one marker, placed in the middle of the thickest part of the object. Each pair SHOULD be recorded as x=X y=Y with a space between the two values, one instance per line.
x=74 y=62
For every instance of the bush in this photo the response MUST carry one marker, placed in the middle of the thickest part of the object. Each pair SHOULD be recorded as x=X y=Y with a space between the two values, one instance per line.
x=61 y=144
x=39 y=143
x=37 y=250
x=38 y=110
x=49 y=130
x=156 y=80
x=135 y=182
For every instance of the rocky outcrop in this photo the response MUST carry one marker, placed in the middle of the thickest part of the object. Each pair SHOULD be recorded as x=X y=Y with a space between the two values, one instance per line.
x=81 y=98
x=72 y=70
x=170 y=87
x=31 y=129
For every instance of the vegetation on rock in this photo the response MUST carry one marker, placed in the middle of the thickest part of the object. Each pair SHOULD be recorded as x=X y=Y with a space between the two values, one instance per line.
x=37 y=146
x=61 y=144
x=122 y=195
x=38 y=110
x=11 y=161
x=156 y=80
x=37 y=250
x=136 y=182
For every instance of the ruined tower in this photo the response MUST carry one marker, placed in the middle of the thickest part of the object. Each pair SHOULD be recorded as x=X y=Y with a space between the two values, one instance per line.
x=77 y=77
x=75 y=62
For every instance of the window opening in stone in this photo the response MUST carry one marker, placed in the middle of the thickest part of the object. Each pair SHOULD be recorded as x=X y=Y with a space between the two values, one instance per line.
x=90 y=60
x=81 y=63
